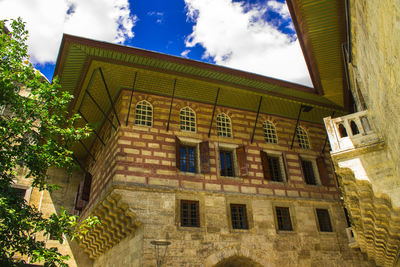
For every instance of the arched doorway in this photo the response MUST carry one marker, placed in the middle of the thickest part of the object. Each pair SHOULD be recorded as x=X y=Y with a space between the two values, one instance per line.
x=237 y=261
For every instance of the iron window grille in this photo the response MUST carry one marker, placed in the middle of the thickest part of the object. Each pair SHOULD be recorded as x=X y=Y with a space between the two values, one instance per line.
x=190 y=213
x=239 y=216
x=275 y=169
x=324 y=220
x=226 y=163
x=270 y=132
x=188 y=159
x=187 y=120
x=224 y=127
x=308 y=171
x=144 y=114
x=302 y=137
x=283 y=219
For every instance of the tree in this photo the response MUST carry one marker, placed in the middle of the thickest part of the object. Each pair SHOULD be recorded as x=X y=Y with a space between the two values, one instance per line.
x=36 y=132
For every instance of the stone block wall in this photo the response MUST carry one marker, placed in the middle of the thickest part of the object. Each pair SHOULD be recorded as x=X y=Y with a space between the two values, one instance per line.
x=375 y=30
x=215 y=240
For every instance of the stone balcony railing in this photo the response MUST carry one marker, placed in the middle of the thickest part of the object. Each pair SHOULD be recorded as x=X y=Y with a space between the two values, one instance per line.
x=350 y=132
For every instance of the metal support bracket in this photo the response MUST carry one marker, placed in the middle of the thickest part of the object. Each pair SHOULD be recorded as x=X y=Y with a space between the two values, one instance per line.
x=170 y=107
x=255 y=124
x=212 y=117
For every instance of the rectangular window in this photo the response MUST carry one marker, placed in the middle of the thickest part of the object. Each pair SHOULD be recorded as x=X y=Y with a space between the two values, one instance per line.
x=275 y=169
x=239 y=216
x=308 y=171
x=226 y=160
x=283 y=219
x=324 y=220
x=187 y=159
x=20 y=192
x=190 y=213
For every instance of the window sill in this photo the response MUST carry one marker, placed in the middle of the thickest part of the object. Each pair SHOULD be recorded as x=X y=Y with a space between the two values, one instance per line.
x=199 y=175
x=235 y=178
x=191 y=228
x=284 y=232
x=239 y=230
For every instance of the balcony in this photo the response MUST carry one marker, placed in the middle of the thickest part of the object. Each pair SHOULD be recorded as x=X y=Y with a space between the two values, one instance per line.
x=350 y=132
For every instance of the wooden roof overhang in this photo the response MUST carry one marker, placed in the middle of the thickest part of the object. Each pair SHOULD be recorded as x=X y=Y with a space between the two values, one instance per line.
x=321 y=29
x=80 y=60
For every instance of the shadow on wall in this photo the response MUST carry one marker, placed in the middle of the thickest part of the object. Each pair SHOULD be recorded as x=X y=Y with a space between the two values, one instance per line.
x=237 y=261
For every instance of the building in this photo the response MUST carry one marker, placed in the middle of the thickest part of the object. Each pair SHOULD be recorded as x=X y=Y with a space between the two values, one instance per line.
x=365 y=144
x=231 y=189
x=204 y=157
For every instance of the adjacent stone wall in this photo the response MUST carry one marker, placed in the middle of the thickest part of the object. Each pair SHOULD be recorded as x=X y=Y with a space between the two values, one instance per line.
x=376 y=66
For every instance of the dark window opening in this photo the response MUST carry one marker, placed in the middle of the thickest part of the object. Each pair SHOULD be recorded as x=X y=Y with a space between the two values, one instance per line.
x=283 y=219
x=239 y=216
x=354 y=128
x=20 y=192
x=308 y=172
x=342 y=131
x=226 y=161
x=346 y=214
x=190 y=213
x=187 y=159
x=324 y=221
x=275 y=169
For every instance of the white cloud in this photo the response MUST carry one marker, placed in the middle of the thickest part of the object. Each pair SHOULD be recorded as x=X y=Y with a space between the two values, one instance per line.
x=236 y=35
x=158 y=15
x=280 y=8
x=47 y=20
x=185 y=53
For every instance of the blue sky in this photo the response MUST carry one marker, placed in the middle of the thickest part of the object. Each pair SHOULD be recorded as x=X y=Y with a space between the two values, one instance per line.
x=254 y=36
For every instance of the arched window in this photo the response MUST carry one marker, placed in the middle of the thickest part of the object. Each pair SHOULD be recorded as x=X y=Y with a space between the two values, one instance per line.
x=354 y=128
x=270 y=132
x=302 y=137
x=187 y=120
x=342 y=130
x=144 y=113
x=224 y=127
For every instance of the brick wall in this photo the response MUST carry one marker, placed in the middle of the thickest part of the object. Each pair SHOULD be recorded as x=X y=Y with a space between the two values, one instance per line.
x=146 y=155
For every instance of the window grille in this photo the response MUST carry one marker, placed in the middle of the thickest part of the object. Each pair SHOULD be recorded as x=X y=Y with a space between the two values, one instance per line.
x=302 y=137
x=275 y=169
x=224 y=127
x=239 y=216
x=270 y=132
x=324 y=220
x=283 y=219
x=226 y=161
x=188 y=120
x=187 y=159
x=144 y=114
x=308 y=171
x=190 y=213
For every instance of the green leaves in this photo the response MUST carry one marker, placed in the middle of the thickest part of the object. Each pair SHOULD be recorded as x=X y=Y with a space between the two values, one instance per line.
x=36 y=133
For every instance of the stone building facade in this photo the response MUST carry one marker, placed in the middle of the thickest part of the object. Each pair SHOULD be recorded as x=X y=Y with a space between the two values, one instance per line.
x=203 y=157
x=365 y=144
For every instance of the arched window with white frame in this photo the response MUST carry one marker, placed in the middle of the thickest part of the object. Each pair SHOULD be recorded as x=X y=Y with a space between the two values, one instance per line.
x=187 y=119
x=302 y=138
x=224 y=126
x=270 y=135
x=144 y=114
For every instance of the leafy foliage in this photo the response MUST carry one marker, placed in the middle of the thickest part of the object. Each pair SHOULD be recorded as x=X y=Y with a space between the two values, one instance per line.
x=36 y=132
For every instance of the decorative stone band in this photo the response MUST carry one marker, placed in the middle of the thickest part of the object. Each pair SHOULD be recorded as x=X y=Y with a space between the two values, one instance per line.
x=375 y=221
x=117 y=221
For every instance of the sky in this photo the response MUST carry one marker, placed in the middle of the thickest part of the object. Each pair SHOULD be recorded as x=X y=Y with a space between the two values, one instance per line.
x=256 y=36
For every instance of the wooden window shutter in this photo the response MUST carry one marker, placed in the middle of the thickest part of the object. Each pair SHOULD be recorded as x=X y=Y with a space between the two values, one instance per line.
x=323 y=174
x=178 y=152
x=285 y=166
x=265 y=165
x=242 y=161
x=86 y=187
x=204 y=157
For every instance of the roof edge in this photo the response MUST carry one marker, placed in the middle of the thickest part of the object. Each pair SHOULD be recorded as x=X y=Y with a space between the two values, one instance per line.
x=160 y=56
